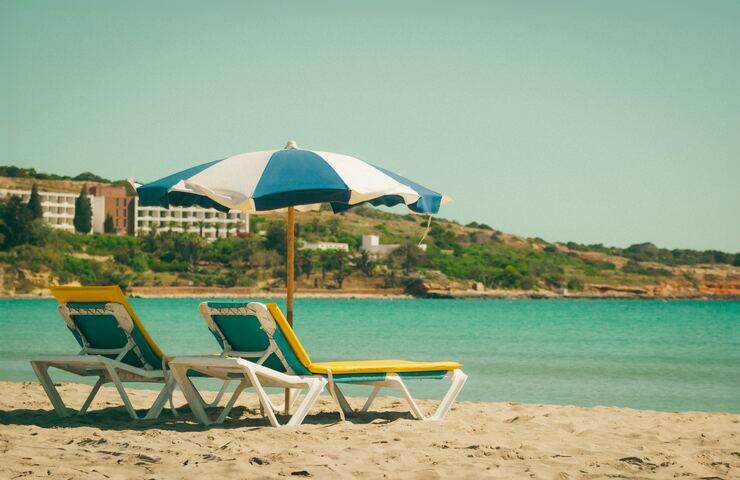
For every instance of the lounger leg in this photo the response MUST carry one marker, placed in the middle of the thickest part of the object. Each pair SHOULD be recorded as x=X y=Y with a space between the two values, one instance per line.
x=311 y=396
x=191 y=395
x=90 y=397
x=370 y=399
x=314 y=390
x=457 y=378
x=264 y=399
x=342 y=401
x=162 y=398
x=333 y=392
x=170 y=400
x=42 y=372
x=121 y=391
x=399 y=385
x=294 y=397
x=230 y=404
x=220 y=394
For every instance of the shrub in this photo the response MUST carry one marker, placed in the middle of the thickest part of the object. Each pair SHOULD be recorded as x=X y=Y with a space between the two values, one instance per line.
x=634 y=267
x=575 y=283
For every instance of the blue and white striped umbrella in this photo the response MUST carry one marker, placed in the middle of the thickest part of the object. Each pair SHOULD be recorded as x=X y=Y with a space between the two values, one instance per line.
x=275 y=179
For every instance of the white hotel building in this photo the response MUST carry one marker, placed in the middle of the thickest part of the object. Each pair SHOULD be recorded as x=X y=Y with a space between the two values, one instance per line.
x=58 y=207
x=59 y=212
x=214 y=224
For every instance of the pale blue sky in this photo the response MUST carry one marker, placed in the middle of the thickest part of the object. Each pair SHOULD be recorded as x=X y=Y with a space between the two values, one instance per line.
x=613 y=122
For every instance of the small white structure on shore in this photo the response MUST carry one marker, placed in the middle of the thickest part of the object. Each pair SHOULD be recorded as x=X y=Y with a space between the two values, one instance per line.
x=325 y=246
x=371 y=244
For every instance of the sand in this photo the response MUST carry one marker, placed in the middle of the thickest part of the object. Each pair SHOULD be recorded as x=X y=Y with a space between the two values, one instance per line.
x=477 y=440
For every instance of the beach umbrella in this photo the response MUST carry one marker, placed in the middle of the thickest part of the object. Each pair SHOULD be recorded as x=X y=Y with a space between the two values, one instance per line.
x=292 y=179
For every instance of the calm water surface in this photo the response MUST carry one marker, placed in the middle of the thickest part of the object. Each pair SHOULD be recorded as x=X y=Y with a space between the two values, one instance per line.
x=675 y=355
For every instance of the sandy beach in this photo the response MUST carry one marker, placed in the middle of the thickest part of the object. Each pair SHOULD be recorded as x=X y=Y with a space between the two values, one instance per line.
x=477 y=440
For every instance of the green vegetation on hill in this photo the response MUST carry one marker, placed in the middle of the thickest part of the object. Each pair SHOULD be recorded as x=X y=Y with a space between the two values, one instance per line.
x=33 y=255
x=647 y=252
x=19 y=172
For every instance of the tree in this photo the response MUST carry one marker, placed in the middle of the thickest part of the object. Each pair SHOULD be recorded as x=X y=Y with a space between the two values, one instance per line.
x=90 y=177
x=327 y=262
x=304 y=262
x=15 y=222
x=409 y=256
x=108 y=225
x=366 y=264
x=189 y=248
x=254 y=222
x=390 y=280
x=341 y=267
x=34 y=203
x=201 y=225
x=276 y=237
x=443 y=237
x=83 y=212
x=333 y=225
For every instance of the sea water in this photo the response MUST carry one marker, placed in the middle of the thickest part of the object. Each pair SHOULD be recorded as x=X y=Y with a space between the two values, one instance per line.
x=664 y=355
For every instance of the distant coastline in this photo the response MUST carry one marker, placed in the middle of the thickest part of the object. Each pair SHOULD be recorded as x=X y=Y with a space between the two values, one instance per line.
x=236 y=292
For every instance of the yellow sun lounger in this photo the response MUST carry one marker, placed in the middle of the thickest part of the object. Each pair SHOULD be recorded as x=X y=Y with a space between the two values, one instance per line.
x=116 y=348
x=261 y=349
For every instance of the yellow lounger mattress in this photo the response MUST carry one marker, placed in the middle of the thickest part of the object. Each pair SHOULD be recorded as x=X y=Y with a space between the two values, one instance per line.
x=380 y=366
x=352 y=366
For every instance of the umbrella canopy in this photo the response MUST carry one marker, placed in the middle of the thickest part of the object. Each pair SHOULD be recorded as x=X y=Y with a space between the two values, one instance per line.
x=292 y=177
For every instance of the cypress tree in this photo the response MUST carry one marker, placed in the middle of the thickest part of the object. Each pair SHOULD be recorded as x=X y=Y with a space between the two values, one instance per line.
x=83 y=212
x=34 y=203
x=108 y=225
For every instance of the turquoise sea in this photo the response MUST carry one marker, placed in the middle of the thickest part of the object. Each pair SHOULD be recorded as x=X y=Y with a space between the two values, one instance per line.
x=664 y=355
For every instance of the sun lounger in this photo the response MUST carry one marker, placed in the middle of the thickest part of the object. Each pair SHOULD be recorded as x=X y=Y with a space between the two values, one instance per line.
x=116 y=348
x=260 y=349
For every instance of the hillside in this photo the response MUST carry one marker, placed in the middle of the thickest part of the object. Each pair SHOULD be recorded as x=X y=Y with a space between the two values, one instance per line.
x=474 y=260
x=69 y=186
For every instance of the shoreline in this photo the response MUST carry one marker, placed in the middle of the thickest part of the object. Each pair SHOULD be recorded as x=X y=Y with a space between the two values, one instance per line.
x=493 y=440
x=391 y=294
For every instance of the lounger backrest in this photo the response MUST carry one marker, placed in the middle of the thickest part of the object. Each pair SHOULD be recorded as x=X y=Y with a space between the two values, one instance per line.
x=248 y=330
x=107 y=327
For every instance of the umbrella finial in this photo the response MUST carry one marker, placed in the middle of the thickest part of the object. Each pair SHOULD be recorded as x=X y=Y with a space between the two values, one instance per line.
x=291 y=144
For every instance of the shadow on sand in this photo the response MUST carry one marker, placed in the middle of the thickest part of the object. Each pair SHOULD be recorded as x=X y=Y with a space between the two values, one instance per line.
x=116 y=418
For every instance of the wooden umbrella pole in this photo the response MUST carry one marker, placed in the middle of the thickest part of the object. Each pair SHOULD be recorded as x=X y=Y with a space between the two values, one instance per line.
x=290 y=282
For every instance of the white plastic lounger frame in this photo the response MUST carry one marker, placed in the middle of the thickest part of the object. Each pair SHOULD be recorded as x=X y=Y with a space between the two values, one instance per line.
x=258 y=357
x=211 y=367
x=249 y=374
x=390 y=380
x=92 y=362
x=393 y=380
